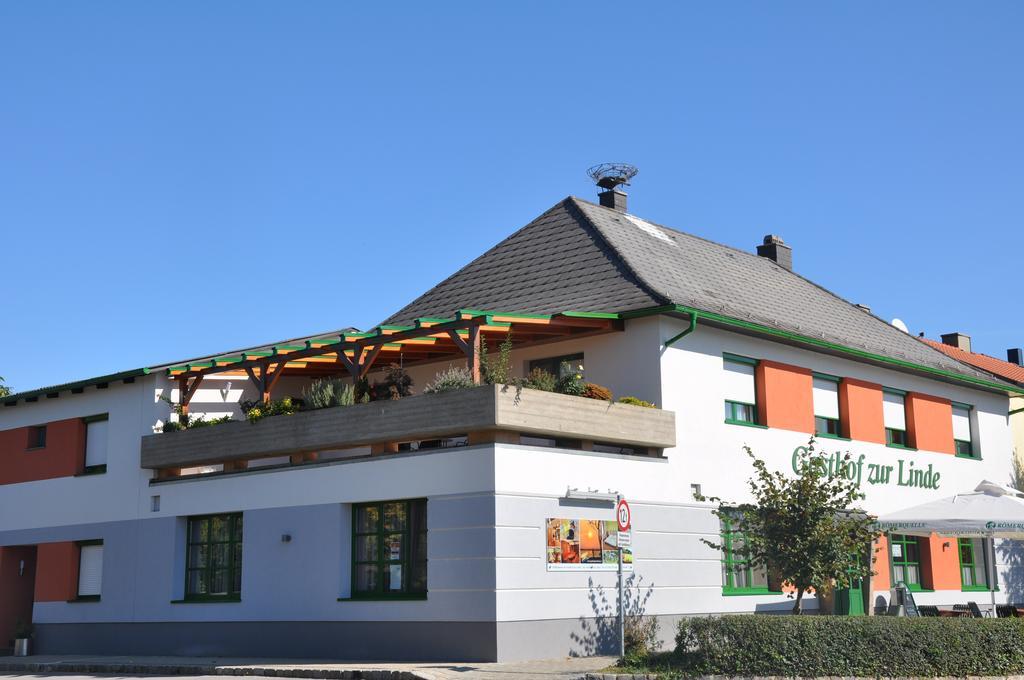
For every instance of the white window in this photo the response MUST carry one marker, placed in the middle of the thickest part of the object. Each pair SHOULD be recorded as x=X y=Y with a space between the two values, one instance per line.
x=894 y=411
x=962 y=430
x=90 y=570
x=826 y=406
x=740 y=392
x=95 y=443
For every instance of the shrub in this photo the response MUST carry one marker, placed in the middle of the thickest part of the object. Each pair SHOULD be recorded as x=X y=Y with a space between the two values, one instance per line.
x=328 y=392
x=641 y=638
x=542 y=380
x=450 y=379
x=633 y=401
x=595 y=391
x=258 y=410
x=497 y=371
x=810 y=646
x=571 y=381
x=396 y=384
x=187 y=422
x=23 y=629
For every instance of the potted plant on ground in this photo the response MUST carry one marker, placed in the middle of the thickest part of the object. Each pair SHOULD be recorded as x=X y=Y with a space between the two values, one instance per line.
x=22 y=636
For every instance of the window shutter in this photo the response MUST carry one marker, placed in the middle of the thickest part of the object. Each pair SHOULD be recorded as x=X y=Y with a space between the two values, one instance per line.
x=90 y=570
x=826 y=398
x=961 y=423
x=894 y=411
x=96 y=443
x=739 y=382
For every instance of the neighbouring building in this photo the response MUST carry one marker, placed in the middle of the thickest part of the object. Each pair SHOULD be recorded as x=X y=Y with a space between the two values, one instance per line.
x=476 y=524
x=958 y=346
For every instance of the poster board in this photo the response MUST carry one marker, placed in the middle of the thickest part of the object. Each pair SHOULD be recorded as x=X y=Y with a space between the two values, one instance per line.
x=584 y=545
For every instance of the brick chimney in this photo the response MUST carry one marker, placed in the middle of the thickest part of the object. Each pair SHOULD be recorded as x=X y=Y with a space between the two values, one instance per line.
x=774 y=248
x=958 y=340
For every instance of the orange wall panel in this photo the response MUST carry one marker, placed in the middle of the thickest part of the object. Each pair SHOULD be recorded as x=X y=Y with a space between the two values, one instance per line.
x=63 y=455
x=56 y=572
x=785 y=397
x=880 y=581
x=860 y=410
x=930 y=423
x=940 y=564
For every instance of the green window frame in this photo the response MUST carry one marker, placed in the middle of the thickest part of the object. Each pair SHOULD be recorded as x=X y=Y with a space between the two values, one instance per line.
x=213 y=561
x=964 y=448
x=907 y=566
x=389 y=550
x=741 y=412
x=973 y=570
x=738 y=576
x=826 y=426
x=896 y=438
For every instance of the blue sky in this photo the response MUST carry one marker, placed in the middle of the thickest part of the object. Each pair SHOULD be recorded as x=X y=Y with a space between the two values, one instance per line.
x=185 y=178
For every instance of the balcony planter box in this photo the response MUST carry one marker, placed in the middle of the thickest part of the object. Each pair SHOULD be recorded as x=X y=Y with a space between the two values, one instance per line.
x=486 y=408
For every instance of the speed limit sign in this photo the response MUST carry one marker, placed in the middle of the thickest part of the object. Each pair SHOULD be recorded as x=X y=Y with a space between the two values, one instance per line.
x=622 y=514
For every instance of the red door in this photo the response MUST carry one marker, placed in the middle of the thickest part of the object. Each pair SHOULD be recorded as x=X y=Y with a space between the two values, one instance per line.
x=17 y=585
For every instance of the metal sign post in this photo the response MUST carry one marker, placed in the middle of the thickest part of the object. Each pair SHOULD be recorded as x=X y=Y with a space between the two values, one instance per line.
x=622 y=516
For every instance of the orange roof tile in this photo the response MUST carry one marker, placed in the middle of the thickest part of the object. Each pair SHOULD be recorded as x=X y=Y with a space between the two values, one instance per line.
x=1004 y=369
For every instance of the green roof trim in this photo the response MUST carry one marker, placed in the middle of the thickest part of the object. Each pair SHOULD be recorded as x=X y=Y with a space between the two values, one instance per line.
x=77 y=385
x=590 y=315
x=824 y=344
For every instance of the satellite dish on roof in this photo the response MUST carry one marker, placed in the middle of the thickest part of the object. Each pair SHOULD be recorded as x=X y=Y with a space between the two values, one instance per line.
x=898 y=323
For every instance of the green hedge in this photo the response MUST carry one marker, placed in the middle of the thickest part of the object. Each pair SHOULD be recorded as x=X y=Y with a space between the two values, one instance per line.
x=849 y=646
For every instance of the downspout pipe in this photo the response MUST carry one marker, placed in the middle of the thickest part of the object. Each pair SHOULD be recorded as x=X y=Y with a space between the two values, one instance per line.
x=689 y=329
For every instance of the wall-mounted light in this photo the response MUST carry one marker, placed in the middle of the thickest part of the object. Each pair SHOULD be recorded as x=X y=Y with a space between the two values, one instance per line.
x=21 y=568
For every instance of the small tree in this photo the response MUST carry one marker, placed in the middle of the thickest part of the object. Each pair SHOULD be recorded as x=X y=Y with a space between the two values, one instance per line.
x=4 y=389
x=805 y=529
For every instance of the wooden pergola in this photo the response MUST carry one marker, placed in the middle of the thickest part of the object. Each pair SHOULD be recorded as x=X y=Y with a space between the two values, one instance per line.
x=429 y=339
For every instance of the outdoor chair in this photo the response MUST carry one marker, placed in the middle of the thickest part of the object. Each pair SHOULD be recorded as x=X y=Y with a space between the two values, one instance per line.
x=975 y=610
x=928 y=610
x=1005 y=611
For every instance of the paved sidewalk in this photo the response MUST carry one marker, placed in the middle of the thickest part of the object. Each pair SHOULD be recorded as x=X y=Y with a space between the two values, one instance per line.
x=555 y=669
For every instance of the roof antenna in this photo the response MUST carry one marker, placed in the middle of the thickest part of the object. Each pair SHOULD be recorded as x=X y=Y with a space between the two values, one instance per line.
x=609 y=176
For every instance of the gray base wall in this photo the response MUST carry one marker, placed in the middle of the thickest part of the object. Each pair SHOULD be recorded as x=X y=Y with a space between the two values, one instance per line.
x=348 y=640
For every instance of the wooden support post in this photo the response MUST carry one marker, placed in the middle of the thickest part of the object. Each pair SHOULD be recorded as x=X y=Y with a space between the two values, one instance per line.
x=383 y=448
x=473 y=353
x=471 y=348
x=185 y=393
x=270 y=381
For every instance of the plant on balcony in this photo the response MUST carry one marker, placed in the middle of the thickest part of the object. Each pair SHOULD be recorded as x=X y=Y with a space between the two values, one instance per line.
x=497 y=370
x=450 y=379
x=571 y=380
x=539 y=379
x=595 y=391
x=327 y=393
x=634 y=401
x=187 y=421
x=258 y=410
x=396 y=384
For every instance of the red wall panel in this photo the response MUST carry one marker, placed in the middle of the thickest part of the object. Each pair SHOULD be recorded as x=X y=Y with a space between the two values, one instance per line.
x=63 y=455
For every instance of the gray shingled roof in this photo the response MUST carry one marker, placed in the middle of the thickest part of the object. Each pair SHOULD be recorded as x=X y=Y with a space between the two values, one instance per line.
x=579 y=256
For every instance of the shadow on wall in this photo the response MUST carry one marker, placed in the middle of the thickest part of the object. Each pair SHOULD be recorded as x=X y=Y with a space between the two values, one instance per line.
x=599 y=633
x=1011 y=553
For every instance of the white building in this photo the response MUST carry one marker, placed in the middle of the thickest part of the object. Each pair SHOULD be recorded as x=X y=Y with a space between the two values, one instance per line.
x=439 y=526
